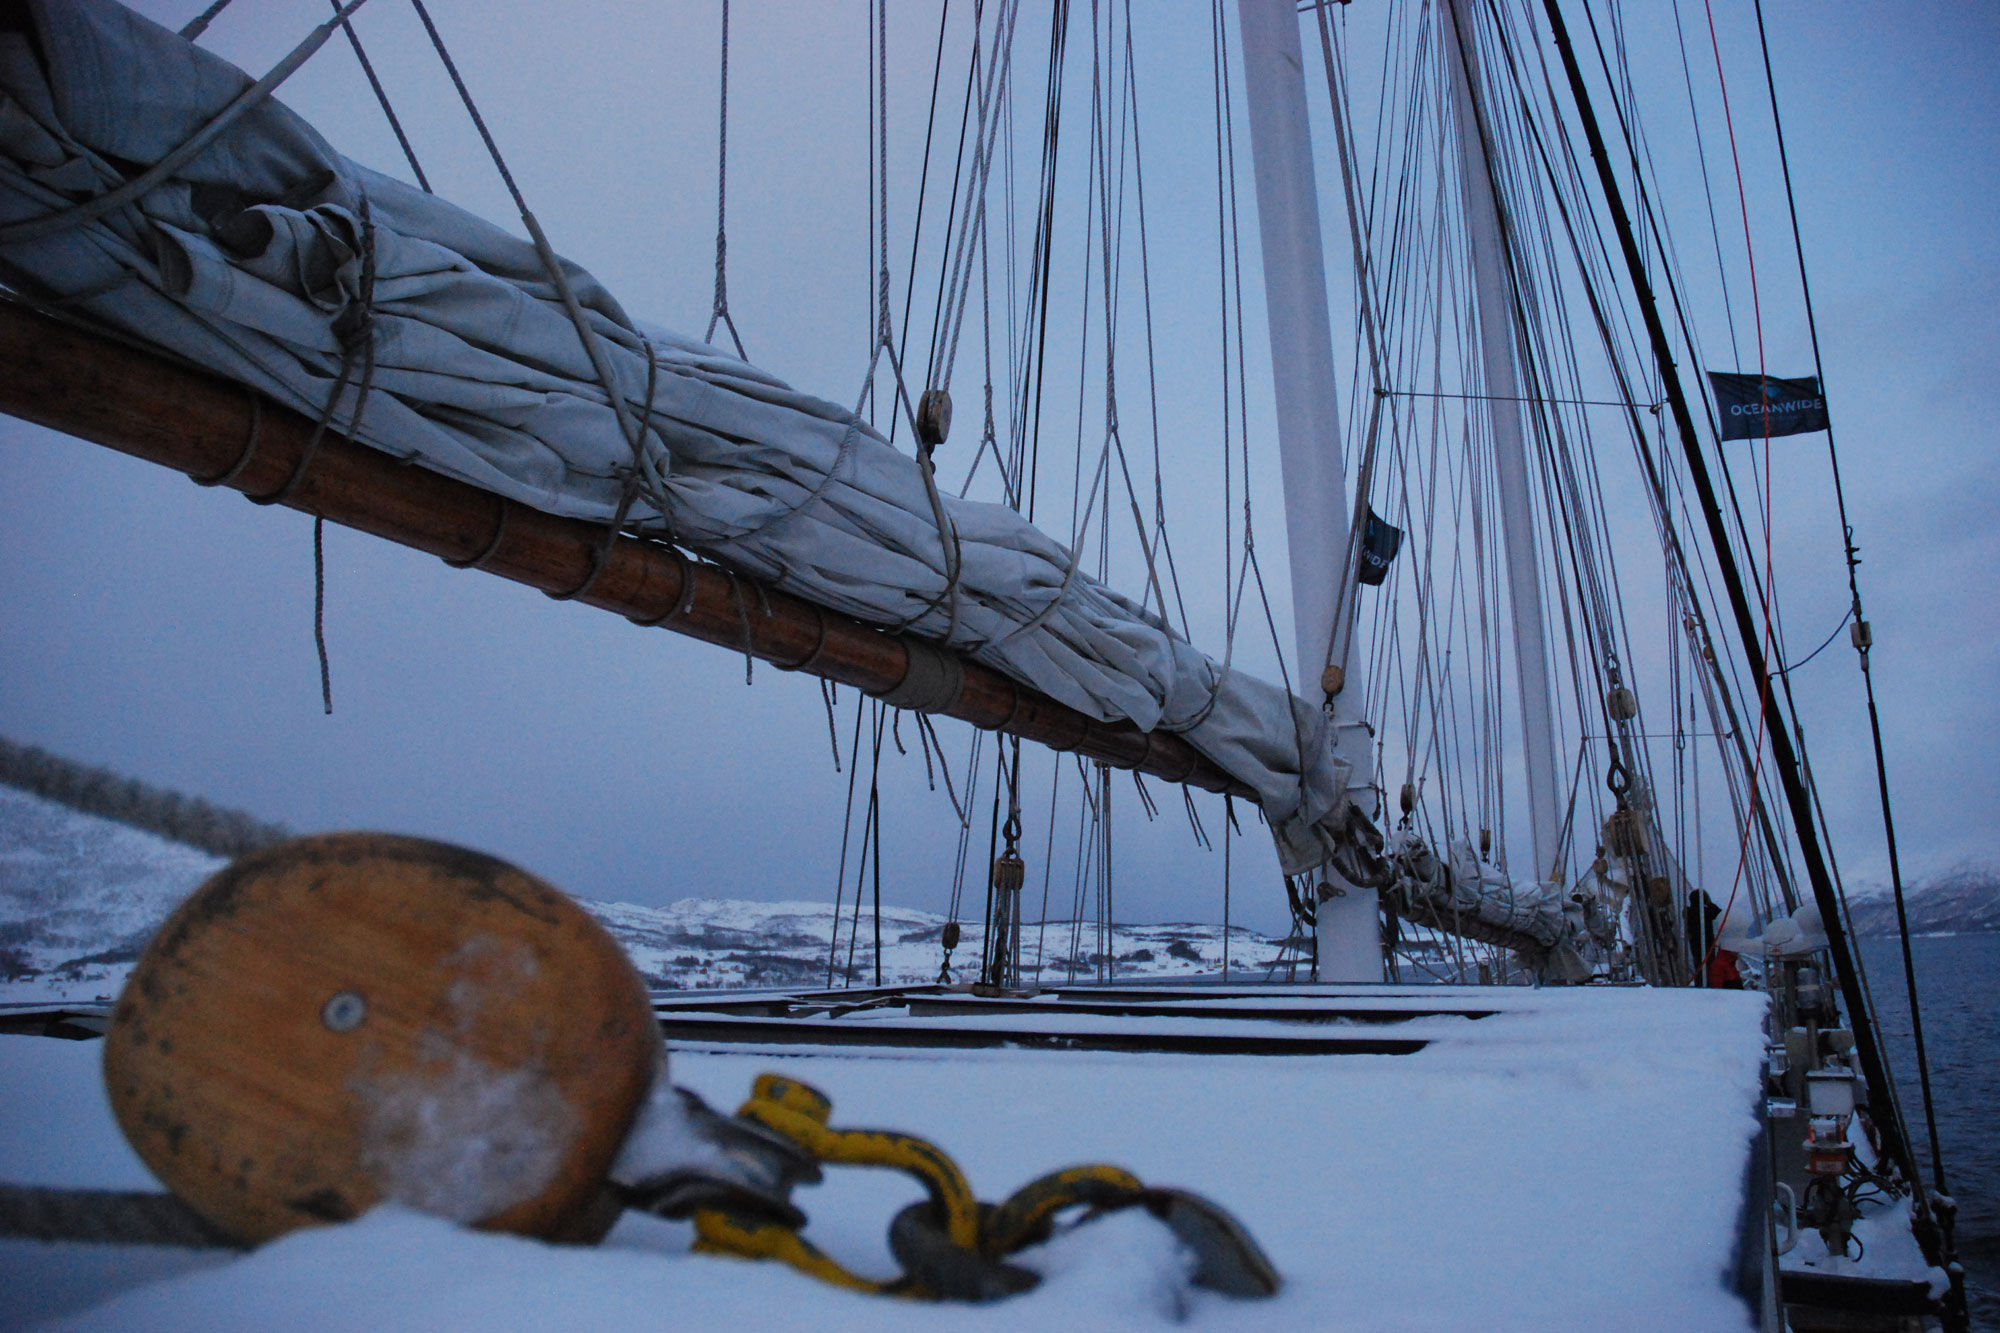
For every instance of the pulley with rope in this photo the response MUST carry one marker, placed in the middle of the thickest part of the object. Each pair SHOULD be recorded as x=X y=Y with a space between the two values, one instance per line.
x=1003 y=964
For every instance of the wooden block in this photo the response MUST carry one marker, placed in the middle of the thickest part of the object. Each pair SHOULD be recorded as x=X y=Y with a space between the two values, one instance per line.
x=343 y=1020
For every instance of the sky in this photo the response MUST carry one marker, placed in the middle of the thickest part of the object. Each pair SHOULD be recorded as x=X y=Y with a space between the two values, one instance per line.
x=166 y=631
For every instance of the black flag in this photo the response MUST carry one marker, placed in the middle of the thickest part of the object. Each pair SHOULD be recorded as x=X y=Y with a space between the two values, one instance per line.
x=1379 y=544
x=1753 y=406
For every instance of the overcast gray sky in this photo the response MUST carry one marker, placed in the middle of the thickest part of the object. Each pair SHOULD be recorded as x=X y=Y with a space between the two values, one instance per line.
x=167 y=631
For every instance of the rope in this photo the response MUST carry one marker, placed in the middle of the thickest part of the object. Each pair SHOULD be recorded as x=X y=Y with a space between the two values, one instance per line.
x=355 y=328
x=826 y=694
x=720 y=311
x=381 y=96
x=950 y=546
x=1757 y=318
x=116 y=1217
x=592 y=345
x=199 y=23
x=846 y=836
x=319 y=614
x=1861 y=645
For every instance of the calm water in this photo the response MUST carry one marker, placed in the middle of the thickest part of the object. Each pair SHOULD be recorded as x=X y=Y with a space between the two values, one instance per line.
x=1958 y=985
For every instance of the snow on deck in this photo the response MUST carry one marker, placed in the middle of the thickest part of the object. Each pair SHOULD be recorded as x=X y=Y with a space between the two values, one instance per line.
x=1573 y=1161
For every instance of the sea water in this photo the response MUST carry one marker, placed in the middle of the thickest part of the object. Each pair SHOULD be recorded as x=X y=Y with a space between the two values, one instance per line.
x=1958 y=989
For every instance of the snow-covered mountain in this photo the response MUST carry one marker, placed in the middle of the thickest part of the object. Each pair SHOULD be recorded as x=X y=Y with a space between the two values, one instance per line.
x=1962 y=900
x=80 y=896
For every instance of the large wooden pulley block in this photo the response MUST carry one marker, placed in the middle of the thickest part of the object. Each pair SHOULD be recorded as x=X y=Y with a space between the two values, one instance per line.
x=346 y=1020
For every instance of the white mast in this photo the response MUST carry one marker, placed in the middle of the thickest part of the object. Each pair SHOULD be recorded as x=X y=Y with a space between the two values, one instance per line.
x=1517 y=521
x=1308 y=412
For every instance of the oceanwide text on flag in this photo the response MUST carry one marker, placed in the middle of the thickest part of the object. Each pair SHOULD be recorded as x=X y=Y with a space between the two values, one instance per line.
x=1751 y=407
x=1379 y=543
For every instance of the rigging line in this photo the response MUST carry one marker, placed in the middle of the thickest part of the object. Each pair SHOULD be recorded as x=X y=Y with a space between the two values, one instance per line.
x=1228 y=836
x=875 y=800
x=1867 y=1047
x=1753 y=768
x=945 y=323
x=965 y=828
x=826 y=694
x=972 y=226
x=927 y=732
x=381 y=95
x=1855 y=612
x=719 y=311
x=1042 y=261
x=952 y=260
x=593 y=345
x=1824 y=645
x=923 y=188
x=871 y=836
x=1504 y=398
x=1670 y=278
x=1708 y=192
x=1657 y=471
x=1146 y=301
x=1048 y=869
x=1222 y=265
x=1111 y=260
x=846 y=831
x=986 y=941
x=319 y=613
x=1339 y=646
x=197 y=25
x=1757 y=317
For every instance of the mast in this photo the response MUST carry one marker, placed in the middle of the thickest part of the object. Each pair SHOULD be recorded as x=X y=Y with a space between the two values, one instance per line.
x=1493 y=284
x=1308 y=414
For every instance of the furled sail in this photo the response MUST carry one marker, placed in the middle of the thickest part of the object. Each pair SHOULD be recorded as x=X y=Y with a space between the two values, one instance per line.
x=433 y=335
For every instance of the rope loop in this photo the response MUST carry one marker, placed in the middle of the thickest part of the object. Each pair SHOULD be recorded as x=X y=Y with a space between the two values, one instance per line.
x=229 y=474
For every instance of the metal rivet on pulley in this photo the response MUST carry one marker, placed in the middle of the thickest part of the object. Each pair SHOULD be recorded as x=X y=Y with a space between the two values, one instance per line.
x=344 y=1012
x=933 y=417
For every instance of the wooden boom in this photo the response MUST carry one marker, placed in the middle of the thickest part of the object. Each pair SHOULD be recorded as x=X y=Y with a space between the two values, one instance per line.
x=102 y=390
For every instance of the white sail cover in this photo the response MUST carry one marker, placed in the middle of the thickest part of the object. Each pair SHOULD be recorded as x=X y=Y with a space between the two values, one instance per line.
x=249 y=260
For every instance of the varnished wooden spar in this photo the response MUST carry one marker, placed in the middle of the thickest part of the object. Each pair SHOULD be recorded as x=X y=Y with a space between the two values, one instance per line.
x=101 y=390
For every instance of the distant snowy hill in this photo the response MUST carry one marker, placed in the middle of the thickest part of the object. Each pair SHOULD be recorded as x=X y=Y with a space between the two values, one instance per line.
x=1963 y=900
x=81 y=895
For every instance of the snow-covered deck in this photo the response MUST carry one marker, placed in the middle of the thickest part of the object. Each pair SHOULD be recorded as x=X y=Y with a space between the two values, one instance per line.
x=1573 y=1160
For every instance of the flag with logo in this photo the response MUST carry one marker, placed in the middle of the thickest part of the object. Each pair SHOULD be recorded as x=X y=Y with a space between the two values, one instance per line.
x=1751 y=407
x=1379 y=543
